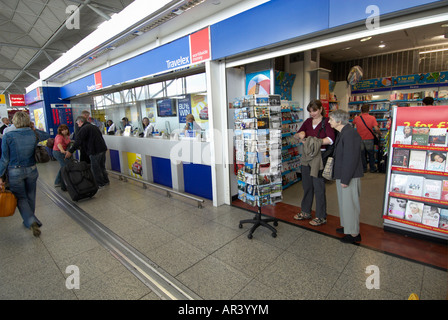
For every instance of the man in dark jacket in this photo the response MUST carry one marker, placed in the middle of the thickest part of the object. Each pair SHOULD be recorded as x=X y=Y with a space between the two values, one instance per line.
x=90 y=138
x=347 y=172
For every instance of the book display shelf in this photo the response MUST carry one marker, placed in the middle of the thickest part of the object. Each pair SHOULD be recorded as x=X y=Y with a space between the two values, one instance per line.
x=416 y=198
x=258 y=154
x=292 y=119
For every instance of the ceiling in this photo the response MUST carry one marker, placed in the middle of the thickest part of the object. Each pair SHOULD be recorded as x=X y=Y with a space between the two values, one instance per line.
x=33 y=34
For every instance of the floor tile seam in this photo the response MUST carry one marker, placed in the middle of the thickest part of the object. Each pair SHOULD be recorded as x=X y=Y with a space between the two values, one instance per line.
x=163 y=275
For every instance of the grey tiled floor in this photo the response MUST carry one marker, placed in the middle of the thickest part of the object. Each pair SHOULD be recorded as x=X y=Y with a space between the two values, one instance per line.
x=202 y=248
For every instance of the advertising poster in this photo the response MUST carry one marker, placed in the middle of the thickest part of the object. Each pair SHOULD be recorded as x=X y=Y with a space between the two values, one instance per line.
x=151 y=112
x=427 y=116
x=283 y=84
x=184 y=108
x=199 y=108
x=258 y=82
x=39 y=119
x=135 y=165
x=3 y=107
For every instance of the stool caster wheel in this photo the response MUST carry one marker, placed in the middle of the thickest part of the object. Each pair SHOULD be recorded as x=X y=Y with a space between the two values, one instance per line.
x=249 y=236
x=275 y=223
x=274 y=235
x=240 y=226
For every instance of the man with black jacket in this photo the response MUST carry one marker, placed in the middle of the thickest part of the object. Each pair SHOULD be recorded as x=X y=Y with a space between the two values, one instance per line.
x=90 y=138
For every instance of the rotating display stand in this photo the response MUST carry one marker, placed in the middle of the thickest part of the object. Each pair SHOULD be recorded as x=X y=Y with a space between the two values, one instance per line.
x=258 y=154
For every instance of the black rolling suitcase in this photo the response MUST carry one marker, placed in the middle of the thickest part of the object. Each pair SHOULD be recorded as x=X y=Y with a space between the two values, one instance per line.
x=79 y=180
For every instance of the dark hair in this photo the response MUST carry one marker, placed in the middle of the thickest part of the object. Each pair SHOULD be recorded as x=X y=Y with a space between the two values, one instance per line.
x=428 y=101
x=63 y=127
x=365 y=108
x=434 y=154
x=316 y=105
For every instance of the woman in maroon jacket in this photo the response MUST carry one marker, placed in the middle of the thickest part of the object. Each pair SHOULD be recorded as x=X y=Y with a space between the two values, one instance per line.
x=315 y=126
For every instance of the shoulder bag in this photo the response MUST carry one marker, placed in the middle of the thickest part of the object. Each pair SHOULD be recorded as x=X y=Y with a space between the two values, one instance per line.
x=40 y=152
x=376 y=141
x=8 y=202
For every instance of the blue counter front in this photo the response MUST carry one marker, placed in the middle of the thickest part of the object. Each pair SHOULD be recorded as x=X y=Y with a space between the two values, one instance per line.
x=181 y=165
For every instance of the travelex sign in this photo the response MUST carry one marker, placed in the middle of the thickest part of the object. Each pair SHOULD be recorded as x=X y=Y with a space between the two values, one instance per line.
x=191 y=49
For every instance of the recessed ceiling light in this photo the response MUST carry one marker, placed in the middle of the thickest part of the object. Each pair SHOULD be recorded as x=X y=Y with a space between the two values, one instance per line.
x=347 y=48
x=382 y=45
x=365 y=39
x=445 y=25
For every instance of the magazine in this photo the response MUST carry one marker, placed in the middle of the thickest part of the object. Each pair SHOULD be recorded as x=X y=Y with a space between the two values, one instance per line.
x=397 y=207
x=414 y=211
x=432 y=188
x=436 y=161
x=444 y=195
x=403 y=135
x=420 y=136
x=443 y=220
x=400 y=158
x=431 y=216
x=417 y=159
x=398 y=183
x=437 y=137
x=414 y=185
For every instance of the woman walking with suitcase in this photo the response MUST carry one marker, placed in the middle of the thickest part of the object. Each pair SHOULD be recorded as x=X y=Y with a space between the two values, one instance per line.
x=61 y=142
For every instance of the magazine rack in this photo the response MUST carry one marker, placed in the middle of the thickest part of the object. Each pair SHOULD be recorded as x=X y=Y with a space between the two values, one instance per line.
x=258 y=155
x=416 y=197
x=258 y=221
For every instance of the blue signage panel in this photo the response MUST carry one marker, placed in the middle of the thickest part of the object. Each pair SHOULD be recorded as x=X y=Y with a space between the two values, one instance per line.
x=271 y=22
x=348 y=11
x=170 y=56
x=184 y=108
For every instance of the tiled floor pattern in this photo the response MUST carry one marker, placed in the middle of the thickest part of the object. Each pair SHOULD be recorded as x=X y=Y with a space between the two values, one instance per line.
x=202 y=248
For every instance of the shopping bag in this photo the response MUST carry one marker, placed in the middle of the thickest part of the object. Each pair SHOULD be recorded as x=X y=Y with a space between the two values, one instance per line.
x=8 y=202
x=328 y=169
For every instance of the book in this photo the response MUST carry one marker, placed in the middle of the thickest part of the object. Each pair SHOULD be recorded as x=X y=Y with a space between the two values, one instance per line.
x=443 y=219
x=400 y=158
x=436 y=161
x=420 y=136
x=431 y=216
x=432 y=188
x=437 y=137
x=414 y=185
x=397 y=207
x=444 y=194
x=403 y=135
x=414 y=211
x=398 y=183
x=417 y=159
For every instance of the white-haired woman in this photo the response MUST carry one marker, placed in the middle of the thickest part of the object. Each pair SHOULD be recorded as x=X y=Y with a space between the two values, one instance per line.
x=347 y=172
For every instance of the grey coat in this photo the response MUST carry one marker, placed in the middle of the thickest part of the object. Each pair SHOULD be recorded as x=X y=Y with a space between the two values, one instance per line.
x=312 y=156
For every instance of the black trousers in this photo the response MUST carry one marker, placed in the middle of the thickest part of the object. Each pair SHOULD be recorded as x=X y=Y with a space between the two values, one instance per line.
x=313 y=187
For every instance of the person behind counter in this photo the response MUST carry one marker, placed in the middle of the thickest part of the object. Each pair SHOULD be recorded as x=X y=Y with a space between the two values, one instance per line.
x=148 y=128
x=125 y=123
x=191 y=123
x=111 y=128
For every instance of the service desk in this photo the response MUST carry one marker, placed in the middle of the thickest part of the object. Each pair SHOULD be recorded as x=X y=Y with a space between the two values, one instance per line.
x=183 y=165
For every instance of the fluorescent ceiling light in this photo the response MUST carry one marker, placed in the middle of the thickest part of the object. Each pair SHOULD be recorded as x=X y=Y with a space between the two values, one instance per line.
x=435 y=50
x=365 y=39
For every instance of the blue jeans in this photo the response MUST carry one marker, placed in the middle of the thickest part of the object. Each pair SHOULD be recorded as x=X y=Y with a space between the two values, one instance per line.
x=98 y=166
x=62 y=161
x=22 y=183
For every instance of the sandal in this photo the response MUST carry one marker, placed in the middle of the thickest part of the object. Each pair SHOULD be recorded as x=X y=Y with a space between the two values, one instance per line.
x=318 y=222
x=302 y=216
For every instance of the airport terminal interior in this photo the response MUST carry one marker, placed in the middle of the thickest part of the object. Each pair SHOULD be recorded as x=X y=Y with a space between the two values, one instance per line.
x=174 y=231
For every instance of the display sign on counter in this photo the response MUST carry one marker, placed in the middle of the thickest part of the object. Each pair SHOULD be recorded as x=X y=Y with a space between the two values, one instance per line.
x=184 y=107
